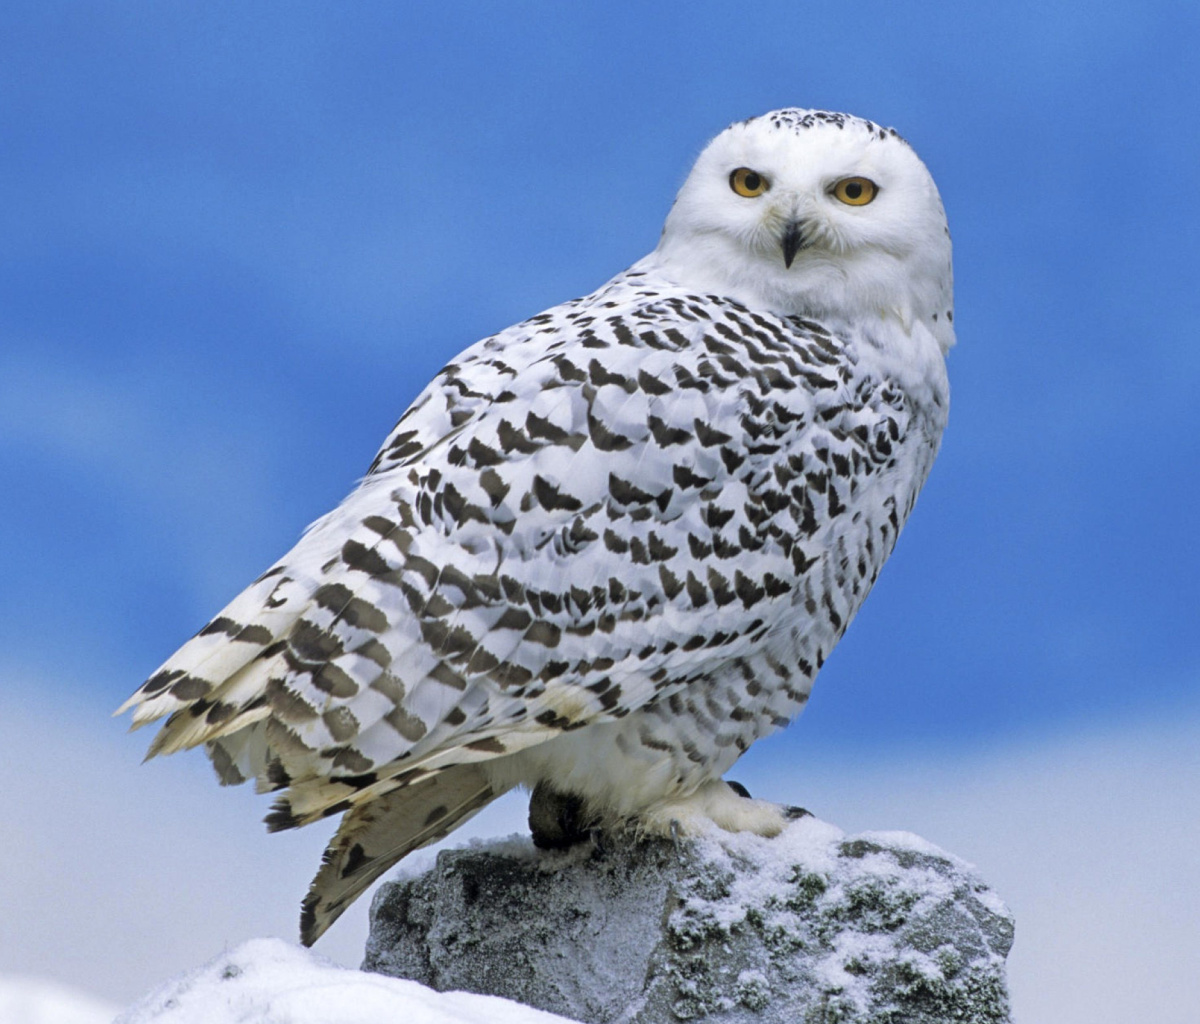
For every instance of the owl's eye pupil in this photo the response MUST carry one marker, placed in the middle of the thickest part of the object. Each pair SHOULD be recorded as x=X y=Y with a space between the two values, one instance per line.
x=853 y=190
x=747 y=183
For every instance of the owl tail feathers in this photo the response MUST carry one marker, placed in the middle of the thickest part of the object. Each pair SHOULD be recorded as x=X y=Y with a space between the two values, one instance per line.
x=376 y=834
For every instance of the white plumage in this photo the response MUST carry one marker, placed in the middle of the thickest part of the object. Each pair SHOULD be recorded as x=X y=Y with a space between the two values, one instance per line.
x=609 y=547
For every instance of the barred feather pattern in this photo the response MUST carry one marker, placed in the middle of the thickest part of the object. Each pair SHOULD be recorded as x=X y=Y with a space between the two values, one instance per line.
x=608 y=547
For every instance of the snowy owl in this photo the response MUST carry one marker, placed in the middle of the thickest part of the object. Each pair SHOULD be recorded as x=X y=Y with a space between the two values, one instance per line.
x=607 y=548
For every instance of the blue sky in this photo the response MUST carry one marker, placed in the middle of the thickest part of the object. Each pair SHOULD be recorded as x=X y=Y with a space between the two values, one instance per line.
x=237 y=239
x=241 y=238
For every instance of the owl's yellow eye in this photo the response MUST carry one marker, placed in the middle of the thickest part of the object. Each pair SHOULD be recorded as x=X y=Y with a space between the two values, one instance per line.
x=748 y=183
x=855 y=191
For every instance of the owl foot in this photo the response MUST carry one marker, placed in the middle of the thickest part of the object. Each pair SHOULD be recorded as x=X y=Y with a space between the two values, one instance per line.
x=558 y=820
x=791 y=813
x=718 y=804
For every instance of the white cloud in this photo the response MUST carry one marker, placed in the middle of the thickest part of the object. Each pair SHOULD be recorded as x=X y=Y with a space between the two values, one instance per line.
x=117 y=876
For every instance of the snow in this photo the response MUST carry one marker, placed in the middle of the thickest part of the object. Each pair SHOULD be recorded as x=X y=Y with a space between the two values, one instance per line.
x=26 y=1000
x=272 y=980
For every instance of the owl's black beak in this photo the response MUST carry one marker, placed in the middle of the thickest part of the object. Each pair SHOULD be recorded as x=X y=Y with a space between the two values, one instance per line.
x=793 y=241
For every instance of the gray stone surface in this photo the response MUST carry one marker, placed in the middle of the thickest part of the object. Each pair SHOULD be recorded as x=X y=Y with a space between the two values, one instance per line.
x=812 y=927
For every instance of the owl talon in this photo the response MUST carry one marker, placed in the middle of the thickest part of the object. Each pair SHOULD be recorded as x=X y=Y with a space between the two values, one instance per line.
x=676 y=837
x=599 y=846
x=557 y=820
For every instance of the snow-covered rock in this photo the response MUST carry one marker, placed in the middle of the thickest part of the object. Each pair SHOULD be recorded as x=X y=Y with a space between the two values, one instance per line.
x=271 y=980
x=25 y=1000
x=810 y=926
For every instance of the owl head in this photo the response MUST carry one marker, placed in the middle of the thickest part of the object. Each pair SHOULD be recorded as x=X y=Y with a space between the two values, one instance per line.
x=819 y=214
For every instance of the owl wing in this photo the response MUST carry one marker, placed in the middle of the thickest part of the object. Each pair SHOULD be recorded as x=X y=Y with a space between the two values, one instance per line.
x=578 y=516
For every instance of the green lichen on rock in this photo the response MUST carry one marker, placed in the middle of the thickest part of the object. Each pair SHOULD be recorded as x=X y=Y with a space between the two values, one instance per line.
x=806 y=887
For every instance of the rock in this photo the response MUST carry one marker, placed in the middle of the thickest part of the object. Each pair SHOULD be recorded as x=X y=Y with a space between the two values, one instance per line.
x=811 y=927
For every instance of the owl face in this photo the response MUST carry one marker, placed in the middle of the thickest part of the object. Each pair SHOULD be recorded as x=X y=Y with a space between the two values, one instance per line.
x=813 y=213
